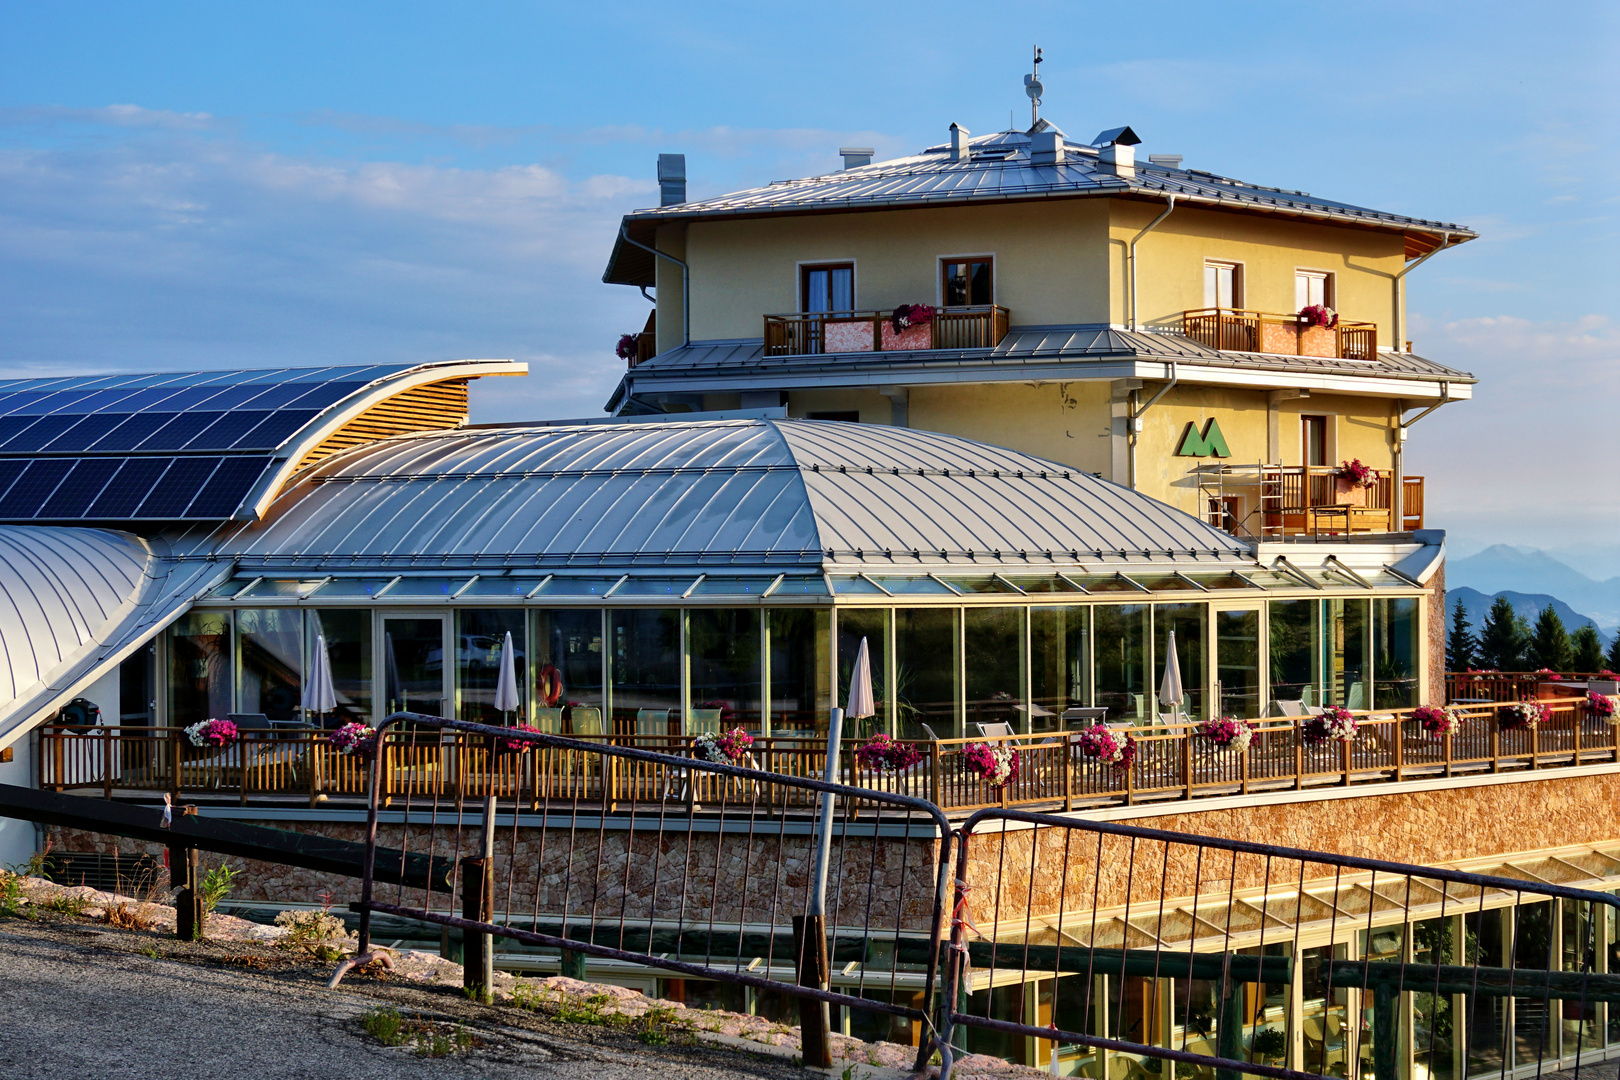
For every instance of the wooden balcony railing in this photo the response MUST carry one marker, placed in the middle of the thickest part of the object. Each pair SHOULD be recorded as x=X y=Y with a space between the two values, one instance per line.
x=1292 y=500
x=1173 y=761
x=1240 y=330
x=873 y=331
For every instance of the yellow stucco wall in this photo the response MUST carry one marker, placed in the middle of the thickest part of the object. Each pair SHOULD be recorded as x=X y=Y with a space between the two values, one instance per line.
x=873 y=406
x=1050 y=261
x=1170 y=262
x=667 y=330
x=1065 y=422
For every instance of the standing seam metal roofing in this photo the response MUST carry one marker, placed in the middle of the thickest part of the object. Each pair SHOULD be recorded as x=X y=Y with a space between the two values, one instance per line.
x=774 y=493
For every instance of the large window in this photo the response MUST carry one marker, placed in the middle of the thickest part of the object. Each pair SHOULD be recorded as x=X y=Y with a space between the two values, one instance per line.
x=270 y=648
x=1223 y=284
x=800 y=664
x=1345 y=628
x=926 y=674
x=871 y=625
x=993 y=649
x=1296 y=651
x=1189 y=622
x=567 y=659
x=830 y=287
x=1059 y=662
x=1121 y=658
x=646 y=667
x=1395 y=653
x=347 y=635
x=968 y=282
x=480 y=636
x=725 y=650
x=200 y=667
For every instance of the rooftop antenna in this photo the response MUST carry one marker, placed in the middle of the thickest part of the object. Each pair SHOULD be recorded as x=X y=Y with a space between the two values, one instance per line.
x=1033 y=87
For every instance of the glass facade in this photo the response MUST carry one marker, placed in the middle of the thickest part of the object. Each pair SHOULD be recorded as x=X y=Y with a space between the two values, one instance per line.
x=724 y=646
x=926 y=671
x=644 y=667
x=200 y=667
x=1060 y=663
x=1296 y=651
x=270 y=662
x=993 y=665
x=1120 y=660
x=566 y=673
x=872 y=626
x=1395 y=645
x=347 y=634
x=480 y=637
x=800 y=668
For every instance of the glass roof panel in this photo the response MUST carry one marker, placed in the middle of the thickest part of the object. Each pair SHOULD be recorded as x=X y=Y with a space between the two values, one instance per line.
x=280 y=587
x=656 y=586
x=732 y=586
x=1225 y=581
x=351 y=587
x=1110 y=583
x=1043 y=584
x=802 y=585
x=502 y=586
x=1163 y=583
x=914 y=586
x=427 y=586
x=980 y=585
x=853 y=586
x=577 y=586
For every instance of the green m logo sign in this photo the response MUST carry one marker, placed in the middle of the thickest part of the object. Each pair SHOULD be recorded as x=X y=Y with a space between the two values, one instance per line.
x=1210 y=444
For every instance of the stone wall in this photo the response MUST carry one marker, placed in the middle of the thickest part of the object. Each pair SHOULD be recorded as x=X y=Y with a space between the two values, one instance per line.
x=1435 y=692
x=1049 y=869
x=639 y=875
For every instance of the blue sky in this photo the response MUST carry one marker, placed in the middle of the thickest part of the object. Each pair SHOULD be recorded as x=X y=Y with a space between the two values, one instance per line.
x=204 y=185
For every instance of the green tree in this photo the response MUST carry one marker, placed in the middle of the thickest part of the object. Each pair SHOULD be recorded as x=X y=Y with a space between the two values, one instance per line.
x=1612 y=661
x=1502 y=637
x=1549 y=642
x=1587 y=649
x=1461 y=645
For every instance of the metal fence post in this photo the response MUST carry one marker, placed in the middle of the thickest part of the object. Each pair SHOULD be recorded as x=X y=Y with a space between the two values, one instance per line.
x=188 y=913
x=478 y=905
x=810 y=932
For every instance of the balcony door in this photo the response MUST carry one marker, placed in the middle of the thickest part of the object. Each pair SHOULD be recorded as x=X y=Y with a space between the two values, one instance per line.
x=827 y=287
x=416 y=660
x=1238 y=649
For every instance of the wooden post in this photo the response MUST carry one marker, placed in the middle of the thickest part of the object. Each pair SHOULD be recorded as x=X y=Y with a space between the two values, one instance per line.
x=1186 y=760
x=1299 y=757
x=107 y=748
x=477 y=905
x=1347 y=763
x=936 y=773
x=188 y=912
x=815 y=1023
x=176 y=760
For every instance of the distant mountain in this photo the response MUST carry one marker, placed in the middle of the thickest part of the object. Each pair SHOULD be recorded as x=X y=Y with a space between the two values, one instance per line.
x=1533 y=572
x=1527 y=605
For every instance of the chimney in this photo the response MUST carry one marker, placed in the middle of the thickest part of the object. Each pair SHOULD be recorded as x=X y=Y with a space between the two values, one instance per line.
x=856 y=156
x=1046 y=147
x=671 y=179
x=959 y=142
x=1168 y=161
x=1116 y=153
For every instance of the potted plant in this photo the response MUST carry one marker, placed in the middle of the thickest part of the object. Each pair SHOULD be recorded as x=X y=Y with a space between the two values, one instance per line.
x=1351 y=481
x=909 y=328
x=518 y=746
x=1227 y=734
x=354 y=739
x=213 y=734
x=1318 y=334
x=1601 y=707
x=1117 y=749
x=883 y=754
x=1523 y=716
x=726 y=748
x=1268 y=1045
x=994 y=763
x=1334 y=725
x=1436 y=721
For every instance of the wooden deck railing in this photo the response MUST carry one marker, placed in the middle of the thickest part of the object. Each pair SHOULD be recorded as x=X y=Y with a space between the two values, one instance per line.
x=1294 y=500
x=1474 y=686
x=873 y=331
x=1241 y=330
x=1173 y=762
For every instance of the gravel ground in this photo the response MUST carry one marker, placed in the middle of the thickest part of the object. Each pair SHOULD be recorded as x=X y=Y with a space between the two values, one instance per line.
x=83 y=1001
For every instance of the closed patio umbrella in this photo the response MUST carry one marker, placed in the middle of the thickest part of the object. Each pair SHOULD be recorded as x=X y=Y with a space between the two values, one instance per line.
x=861 y=701
x=319 y=695
x=1170 y=691
x=506 y=687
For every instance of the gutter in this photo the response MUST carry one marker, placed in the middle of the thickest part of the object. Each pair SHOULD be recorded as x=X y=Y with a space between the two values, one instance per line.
x=1400 y=288
x=1135 y=323
x=1398 y=494
x=1138 y=411
x=686 y=281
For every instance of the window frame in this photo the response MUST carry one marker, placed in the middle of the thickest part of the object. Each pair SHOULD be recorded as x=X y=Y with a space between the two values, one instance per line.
x=1330 y=297
x=1305 y=440
x=1238 y=283
x=948 y=261
x=806 y=268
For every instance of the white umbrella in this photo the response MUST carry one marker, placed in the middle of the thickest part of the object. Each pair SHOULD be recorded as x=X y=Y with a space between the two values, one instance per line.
x=861 y=701
x=1170 y=692
x=506 y=687
x=319 y=696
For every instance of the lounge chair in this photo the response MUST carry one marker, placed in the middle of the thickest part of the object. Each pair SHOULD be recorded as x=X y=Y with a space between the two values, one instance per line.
x=548 y=721
x=703 y=721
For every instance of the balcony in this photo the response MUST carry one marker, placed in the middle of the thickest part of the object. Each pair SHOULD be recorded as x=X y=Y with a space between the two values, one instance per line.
x=1268 y=332
x=802 y=334
x=1268 y=501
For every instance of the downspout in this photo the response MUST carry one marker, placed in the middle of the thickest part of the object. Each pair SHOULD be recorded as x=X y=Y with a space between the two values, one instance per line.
x=1135 y=324
x=686 y=282
x=1399 y=344
x=1397 y=496
x=1138 y=411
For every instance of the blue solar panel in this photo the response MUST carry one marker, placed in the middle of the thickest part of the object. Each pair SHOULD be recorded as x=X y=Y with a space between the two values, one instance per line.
x=178 y=432
x=173 y=493
x=10 y=469
x=274 y=430
x=130 y=433
x=126 y=491
x=225 y=490
x=37 y=433
x=33 y=487
x=72 y=497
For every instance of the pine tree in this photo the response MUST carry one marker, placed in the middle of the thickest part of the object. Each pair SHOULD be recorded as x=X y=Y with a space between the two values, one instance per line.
x=1549 y=642
x=1502 y=637
x=1612 y=661
x=1587 y=649
x=1461 y=644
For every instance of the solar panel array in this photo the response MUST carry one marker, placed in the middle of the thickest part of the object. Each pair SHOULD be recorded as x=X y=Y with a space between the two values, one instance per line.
x=166 y=447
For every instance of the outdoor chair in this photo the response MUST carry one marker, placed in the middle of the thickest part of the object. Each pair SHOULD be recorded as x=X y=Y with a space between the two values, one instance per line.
x=652 y=728
x=548 y=721
x=1288 y=707
x=586 y=721
x=1087 y=715
x=995 y=729
x=703 y=721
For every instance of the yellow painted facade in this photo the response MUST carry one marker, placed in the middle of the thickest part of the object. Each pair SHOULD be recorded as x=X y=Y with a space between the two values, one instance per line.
x=1063 y=421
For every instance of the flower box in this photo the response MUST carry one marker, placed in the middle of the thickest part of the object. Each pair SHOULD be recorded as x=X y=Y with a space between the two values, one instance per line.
x=1318 y=341
x=916 y=336
x=1348 y=492
x=849 y=335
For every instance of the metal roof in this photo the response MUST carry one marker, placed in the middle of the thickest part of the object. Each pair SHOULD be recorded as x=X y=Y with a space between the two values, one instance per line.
x=999 y=169
x=1023 y=348
x=784 y=494
x=193 y=446
x=73 y=601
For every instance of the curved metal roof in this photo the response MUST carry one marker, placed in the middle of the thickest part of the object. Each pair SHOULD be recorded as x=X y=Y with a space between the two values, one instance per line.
x=749 y=493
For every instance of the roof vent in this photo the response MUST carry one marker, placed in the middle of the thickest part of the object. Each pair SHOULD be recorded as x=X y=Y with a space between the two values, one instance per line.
x=671 y=179
x=1117 y=156
x=856 y=156
x=1046 y=147
x=959 y=142
x=1168 y=161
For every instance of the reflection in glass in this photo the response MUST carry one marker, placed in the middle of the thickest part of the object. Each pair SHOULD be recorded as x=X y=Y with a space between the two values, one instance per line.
x=199 y=667
x=873 y=625
x=1060 y=661
x=567 y=662
x=1579 y=952
x=480 y=634
x=800 y=660
x=1121 y=660
x=993 y=650
x=1486 y=1016
x=1324 y=1014
x=1296 y=652
x=1433 y=1023
x=1395 y=655
x=413 y=665
x=1345 y=626
x=348 y=651
x=270 y=648
x=1189 y=622
x=724 y=645
x=1265 y=1014
x=1534 y=1036
x=925 y=671
x=646 y=668
x=1237 y=662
